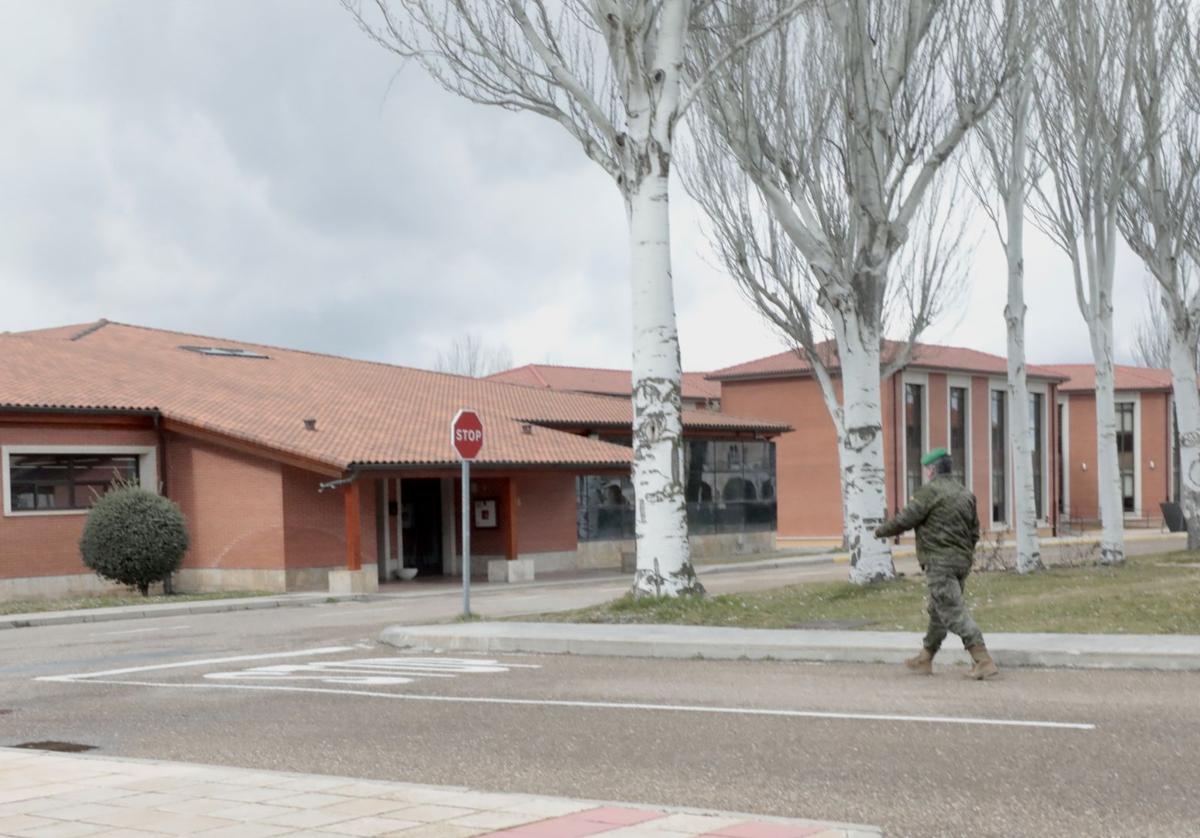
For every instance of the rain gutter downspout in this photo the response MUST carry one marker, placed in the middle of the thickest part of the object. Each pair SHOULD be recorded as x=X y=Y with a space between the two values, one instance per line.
x=339 y=483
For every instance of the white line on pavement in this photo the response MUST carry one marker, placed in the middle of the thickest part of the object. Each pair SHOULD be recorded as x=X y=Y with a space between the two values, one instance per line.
x=614 y=705
x=88 y=676
x=143 y=631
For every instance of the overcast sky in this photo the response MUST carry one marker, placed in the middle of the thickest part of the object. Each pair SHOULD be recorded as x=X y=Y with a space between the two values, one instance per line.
x=256 y=169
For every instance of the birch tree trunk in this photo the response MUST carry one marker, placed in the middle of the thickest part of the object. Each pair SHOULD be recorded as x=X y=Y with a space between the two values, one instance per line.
x=1085 y=98
x=1108 y=474
x=1029 y=555
x=664 y=566
x=862 y=462
x=1184 y=376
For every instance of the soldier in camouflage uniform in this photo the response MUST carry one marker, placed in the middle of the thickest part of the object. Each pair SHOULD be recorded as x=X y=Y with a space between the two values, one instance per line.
x=943 y=513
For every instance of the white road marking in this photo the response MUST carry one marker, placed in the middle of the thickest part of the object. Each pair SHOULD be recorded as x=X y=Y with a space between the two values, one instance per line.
x=143 y=631
x=615 y=705
x=371 y=672
x=87 y=676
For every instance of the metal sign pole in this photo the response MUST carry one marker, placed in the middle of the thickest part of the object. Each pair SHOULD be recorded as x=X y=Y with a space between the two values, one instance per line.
x=466 y=536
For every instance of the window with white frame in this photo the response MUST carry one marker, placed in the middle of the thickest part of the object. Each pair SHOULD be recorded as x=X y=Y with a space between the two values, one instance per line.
x=999 y=459
x=59 y=479
x=1126 y=462
x=914 y=435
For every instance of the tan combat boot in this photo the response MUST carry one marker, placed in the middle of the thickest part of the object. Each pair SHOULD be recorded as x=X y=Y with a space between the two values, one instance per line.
x=984 y=666
x=922 y=664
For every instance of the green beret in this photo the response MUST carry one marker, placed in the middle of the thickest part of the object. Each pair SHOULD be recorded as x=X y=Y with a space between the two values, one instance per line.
x=934 y=455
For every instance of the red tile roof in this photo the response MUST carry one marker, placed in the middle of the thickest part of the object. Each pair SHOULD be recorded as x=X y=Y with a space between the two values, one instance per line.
x=1081 y=378
x=366 y=412
x=925 y=356
x=602 y=382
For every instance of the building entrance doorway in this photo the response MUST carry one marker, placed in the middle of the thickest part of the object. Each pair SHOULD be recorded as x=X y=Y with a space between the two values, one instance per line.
x=421 y=522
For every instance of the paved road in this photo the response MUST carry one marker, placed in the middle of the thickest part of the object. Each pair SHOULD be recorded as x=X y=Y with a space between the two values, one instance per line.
x=318 y=695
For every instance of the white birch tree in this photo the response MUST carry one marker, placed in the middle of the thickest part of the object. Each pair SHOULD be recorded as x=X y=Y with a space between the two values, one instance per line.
x=611 y=73
x=927 y=275
x=842 y=120
x=1002 y=174
x=1084 y=99
x=1160 y=210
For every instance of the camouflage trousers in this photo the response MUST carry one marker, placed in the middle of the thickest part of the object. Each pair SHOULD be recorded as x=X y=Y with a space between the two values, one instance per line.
x=947 y=611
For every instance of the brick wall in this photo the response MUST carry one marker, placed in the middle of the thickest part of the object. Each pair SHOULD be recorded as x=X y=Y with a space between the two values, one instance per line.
x=233 y=503
x=1156 y=449
x=315 y=522
x=809 y=494
x=1155 y=442
x=546 y=514
x=49 y=545
x=546 y=519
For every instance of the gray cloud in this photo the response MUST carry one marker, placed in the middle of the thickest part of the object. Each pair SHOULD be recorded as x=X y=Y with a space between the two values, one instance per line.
x=261 y=171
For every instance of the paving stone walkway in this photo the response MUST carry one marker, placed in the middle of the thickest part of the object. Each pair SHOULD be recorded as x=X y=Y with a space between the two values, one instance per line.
x=59 y=795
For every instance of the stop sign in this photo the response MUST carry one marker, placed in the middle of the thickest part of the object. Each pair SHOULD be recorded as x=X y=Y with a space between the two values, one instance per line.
x=466 y=434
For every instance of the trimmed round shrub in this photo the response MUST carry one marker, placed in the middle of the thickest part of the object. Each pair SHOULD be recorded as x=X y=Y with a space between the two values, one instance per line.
x=134 y=537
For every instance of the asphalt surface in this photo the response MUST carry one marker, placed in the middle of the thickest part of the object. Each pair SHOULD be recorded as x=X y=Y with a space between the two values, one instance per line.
x=729 y=735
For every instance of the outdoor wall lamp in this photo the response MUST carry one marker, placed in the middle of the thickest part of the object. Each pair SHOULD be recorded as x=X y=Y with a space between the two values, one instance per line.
x=1152 y=465
x=1083 y=466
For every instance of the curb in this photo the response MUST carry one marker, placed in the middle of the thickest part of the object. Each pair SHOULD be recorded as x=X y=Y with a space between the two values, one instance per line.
x=1065 y=651
x=107 y=615
x=131 y=612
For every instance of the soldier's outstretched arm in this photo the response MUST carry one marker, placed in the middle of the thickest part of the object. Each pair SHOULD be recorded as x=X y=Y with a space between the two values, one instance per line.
x=911 y=516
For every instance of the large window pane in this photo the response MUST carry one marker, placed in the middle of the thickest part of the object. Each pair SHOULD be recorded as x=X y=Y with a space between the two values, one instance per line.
x=1036 y=422
x=66 y=481
x=914 y=434
x=697 y=462
x=1059 y=441
x=730 y=487
x=958 y=433
x=1125 y=450
x=999 y=459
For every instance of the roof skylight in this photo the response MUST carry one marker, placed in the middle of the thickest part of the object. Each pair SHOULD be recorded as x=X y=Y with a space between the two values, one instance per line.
x=225 y=351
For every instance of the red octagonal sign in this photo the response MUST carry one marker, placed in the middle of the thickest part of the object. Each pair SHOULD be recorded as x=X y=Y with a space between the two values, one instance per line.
x=466 y=434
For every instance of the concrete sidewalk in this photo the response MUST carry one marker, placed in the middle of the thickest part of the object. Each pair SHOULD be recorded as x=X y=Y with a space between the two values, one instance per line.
x=168 y=609
x=51 y=794
x=1084 y=651
x=420 y=590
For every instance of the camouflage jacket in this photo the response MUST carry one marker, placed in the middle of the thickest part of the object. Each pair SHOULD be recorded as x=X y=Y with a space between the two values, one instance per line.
x=943 y=514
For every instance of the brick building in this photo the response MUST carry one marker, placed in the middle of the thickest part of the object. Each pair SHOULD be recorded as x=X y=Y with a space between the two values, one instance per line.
x=1146 y=453
x=290 y=465
x=945 y=396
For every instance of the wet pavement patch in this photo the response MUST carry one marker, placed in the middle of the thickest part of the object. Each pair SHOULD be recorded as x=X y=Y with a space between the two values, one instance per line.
x=61 y=747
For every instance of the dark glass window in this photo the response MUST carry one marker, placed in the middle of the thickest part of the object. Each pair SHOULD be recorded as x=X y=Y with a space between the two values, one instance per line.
x=1061 y=436
x=1036 y=422
x=65 y=481
x=958 y=433
x=604 y=507
x=729 y=486
x=914 y=434
x=1126 y=464
x=999 y=459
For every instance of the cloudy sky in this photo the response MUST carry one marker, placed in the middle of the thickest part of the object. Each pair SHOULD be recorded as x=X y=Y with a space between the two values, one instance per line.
x=256 y=169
